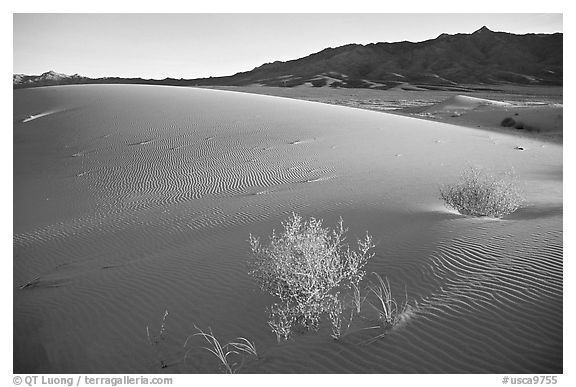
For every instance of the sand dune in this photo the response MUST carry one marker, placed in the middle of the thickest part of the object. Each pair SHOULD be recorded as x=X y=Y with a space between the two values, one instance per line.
x=462 y=103
x=544 y=122
x=137 y=199
x=547 y=120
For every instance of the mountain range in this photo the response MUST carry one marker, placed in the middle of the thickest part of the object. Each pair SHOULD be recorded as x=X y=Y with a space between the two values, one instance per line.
x=484 y=57
x=47 y=79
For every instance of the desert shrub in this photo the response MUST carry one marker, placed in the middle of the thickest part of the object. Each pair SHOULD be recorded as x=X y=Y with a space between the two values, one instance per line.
x=318 y=82
x=306 y=266
x=357 y=298
x=479 y=193
x=355 y=83
x=337 y=321
x=280 y=320
x=508 y=122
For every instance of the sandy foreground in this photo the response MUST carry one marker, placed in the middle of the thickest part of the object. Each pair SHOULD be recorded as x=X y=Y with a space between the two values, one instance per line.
x=130 y=200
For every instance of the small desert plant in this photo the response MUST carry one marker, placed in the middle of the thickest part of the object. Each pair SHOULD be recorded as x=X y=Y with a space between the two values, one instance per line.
x=479 y=193
x=508 y=122
x=306 y=266
x=244 y=345
x=335 y=314
x=389 y=311
x=357 y=298
x=156 y=341
x=280 y=321
x=319 y=82
x=225 y=352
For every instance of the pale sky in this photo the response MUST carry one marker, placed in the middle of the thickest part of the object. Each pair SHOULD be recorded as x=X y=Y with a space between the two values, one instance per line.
x=202 y=45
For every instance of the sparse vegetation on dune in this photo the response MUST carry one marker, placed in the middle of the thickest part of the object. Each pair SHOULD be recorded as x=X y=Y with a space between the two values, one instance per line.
x=357 y=298
x=311 y=269
x=337 y=320
x=231 y=355
x=511 y=122
x=315 y=274
x=479 y=193
x=508 y=122
x=389 y=311
x=280 y=320
x=156 y=341
x=306 y=266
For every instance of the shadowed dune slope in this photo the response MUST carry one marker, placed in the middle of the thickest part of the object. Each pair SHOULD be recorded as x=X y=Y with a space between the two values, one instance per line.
x=130 y=200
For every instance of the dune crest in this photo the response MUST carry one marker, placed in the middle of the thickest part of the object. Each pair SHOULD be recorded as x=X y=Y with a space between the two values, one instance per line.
x=462 y=103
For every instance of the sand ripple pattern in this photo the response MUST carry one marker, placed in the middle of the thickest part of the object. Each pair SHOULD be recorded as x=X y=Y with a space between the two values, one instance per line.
x=133 y=199
x=496 y=294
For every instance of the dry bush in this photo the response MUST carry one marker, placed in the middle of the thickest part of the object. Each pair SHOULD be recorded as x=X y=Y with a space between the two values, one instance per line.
x=508 y=122
x=479 y=193
x=306 y=266
x=280 y=320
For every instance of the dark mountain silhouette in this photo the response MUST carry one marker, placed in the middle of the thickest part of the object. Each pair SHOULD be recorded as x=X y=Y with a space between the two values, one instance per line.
x=483 y=57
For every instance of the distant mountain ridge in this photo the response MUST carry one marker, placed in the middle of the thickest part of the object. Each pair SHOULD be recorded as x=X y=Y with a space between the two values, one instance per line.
x=46 y=79
x=483 y=57
x=52 y=78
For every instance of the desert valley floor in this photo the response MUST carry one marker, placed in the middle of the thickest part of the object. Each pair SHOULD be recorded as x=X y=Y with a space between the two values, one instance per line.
x=131 y=200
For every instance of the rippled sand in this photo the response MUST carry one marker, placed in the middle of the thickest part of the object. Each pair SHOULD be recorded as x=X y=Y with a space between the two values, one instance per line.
x=129 y=200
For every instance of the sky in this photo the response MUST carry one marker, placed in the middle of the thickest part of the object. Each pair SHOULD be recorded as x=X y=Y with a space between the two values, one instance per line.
x=201 y=45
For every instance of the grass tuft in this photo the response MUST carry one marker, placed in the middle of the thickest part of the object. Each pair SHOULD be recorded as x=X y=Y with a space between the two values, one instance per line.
x=389 y=311
x=244 y=345
x=225 y=353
